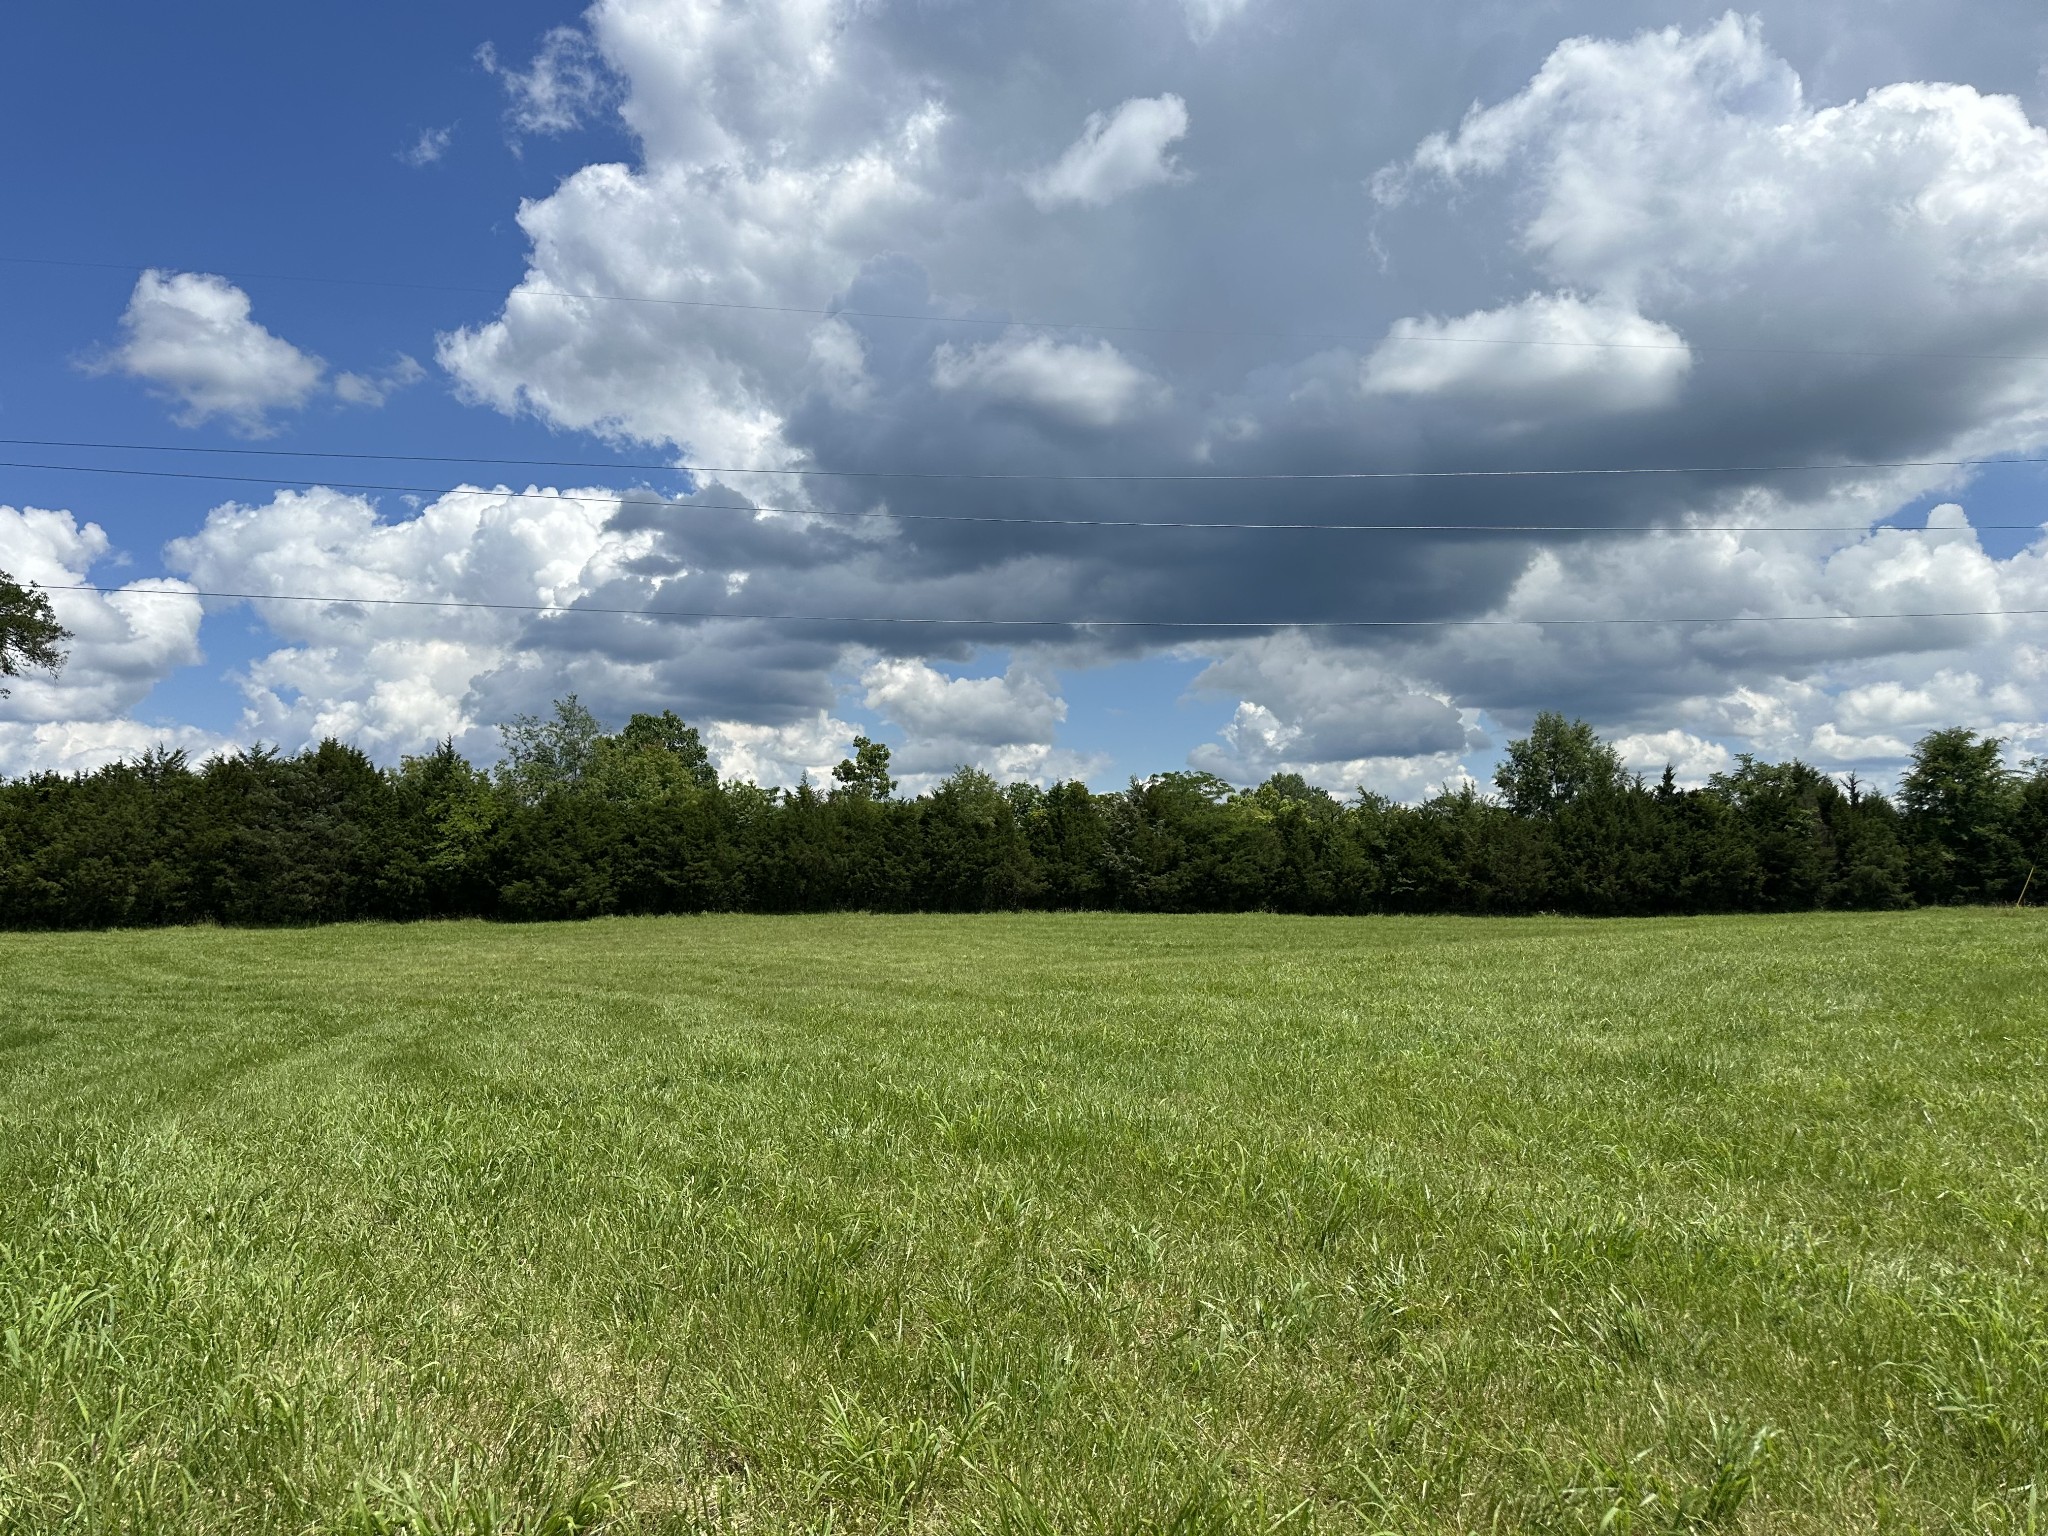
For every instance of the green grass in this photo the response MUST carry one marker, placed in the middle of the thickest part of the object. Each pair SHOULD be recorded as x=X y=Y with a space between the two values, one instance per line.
x=1028 y=1224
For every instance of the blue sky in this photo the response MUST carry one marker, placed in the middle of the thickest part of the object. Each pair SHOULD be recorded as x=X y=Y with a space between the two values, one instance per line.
x=1314 y=236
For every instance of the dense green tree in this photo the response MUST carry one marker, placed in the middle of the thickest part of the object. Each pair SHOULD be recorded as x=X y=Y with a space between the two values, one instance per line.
x=1556 y=763
x=1065 y=830
x=1781 y=810
x=865 y=775
x=106 y=849
x=1172 y=845
x=301 y=839
x=30 y=635
x=555 y=857
x=547 y=754
x=1614 y=849
x=1309 y=862
x=577 y=823
x=655 y=758
x=1870 y=861
x=446 y=815
x=798 y=854
x=976 y=857
x=1960 y=802
x=2030 y=833
x=1460 y=852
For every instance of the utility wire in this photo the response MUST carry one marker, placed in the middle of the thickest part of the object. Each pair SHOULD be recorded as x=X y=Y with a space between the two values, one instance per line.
x=669 y=504
x=815 y=312
x=979 y=621
x=698 y=470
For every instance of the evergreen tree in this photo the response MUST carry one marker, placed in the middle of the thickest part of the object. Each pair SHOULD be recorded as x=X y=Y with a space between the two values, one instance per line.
x=446 y=815
x=1780 y=807
x=2030 y=832
x=976 y=857
x=576 y=823
x=1960 y=802
x=1064 y=827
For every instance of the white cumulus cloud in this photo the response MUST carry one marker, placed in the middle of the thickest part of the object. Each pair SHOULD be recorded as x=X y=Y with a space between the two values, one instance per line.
x=1546 y=355
x=190 y=335
x=781 y=754
x=1691 y=759
x=769 y=174
x=1338 y=717
x=1005 y=724
x=1666 y=251
x=370 y=667
x=124 y=642
x=1678 y=164
x=1118 y=153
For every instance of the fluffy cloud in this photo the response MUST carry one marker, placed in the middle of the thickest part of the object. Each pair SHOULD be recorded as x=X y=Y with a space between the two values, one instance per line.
x=1330 y=715
x=1547 y=355
x=1015 y=709
x=1680 y=185
x=428 y=626
x=1838 y=693
x=1257 y=744
x=1090 y=384
x=780 y=754
x=190 y=335
x=1685 y=168
x=1691 y=759
x=365 y=665
x=1004 y=724
x=1834 y=745
x=1118 y=153
x=80 y=746
x=1663 y=253
x=716 y=216
x=124 y=642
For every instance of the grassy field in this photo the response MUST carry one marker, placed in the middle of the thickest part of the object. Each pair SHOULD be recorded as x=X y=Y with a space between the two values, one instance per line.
x=1028 y=1224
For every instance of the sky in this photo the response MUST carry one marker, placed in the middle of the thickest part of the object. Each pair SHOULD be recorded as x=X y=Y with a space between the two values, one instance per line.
x=1055 y=388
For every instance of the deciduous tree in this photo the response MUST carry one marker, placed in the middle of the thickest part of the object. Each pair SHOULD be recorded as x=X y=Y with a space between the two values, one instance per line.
x=30 y=635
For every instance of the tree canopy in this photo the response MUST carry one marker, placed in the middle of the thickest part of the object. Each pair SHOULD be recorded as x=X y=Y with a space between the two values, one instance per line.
x=30 y=635
x=1555 y=764
x=576 y=821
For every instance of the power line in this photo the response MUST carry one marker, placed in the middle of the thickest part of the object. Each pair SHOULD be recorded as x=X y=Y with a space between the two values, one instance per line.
x=699 y=470
x=819 y=312
x=983 y=622
x=1195 y=524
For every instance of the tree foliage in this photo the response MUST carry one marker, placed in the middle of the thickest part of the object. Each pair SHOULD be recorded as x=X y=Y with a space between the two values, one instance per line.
x=865 y=775
x=30 y=635
x=578 y=822
x=1557 y=763
x=1962 y=801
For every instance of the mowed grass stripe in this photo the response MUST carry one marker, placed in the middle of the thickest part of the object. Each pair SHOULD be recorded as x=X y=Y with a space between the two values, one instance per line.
x=1027 y=1223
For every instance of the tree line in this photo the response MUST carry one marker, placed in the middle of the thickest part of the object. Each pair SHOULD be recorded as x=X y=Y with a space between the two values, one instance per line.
x=578 y=822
